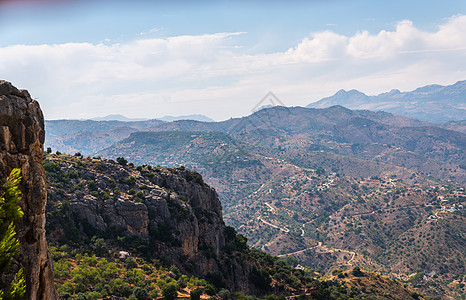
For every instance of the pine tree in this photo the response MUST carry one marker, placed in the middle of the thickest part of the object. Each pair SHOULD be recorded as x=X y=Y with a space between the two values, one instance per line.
x=9 y=244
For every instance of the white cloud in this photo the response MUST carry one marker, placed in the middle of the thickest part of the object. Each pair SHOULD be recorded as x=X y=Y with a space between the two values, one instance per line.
x=212 y=74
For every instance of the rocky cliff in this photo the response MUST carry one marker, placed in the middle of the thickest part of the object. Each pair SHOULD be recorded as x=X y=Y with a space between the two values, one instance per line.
x=159 y=213
x=21 y=146
x=169 y=217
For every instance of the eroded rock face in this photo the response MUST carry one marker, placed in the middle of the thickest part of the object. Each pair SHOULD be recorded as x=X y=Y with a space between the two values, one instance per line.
x=21 y=146
x=174 y=214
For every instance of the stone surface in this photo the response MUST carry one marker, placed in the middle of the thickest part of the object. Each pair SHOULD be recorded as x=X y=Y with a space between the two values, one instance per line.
x=176 y=214
x=21 y=146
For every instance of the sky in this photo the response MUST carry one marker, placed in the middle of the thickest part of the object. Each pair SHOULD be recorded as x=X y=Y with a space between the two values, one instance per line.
x=147 y=59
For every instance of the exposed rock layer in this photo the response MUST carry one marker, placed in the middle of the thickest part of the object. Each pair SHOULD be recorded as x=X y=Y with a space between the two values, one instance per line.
x=21 y=146
x=175 y=215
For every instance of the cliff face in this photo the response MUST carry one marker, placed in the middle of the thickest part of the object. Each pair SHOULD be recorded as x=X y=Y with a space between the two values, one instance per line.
x=166 y=214
x=21 y=146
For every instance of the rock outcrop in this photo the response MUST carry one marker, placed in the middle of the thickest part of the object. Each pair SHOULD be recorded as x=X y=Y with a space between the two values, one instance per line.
x=174 y=215
x=21 y=146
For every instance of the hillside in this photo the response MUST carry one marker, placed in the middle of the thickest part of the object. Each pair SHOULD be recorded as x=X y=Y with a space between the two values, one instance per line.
x=169 y=222
x=375 y=137
x=287 y=178
x=432 y=103
x=456 y=126
x=89 y=136
x=276 y=178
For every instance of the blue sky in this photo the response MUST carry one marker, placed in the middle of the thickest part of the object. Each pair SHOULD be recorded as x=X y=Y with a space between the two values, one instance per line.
x=219 y=58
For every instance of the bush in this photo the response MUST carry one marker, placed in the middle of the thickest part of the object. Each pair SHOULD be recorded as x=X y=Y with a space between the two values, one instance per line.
x=224 y=294
x=93 y=295
x=50 y=166
x=357 y=272
x=130 y=181
x=170 y=291
x=210 y=289
x=140 y=293
x=130 y=263
x=122 y=161
x=195 y=294
x=9 y=244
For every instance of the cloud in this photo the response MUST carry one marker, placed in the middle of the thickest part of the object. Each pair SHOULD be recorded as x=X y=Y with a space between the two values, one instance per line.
x=213 y=74
x=148 y=32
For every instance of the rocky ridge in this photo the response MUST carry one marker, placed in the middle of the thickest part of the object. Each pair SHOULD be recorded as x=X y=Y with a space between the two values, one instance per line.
x=21 y=146
x=432 y=103
x=168 y=214
x=171 y=217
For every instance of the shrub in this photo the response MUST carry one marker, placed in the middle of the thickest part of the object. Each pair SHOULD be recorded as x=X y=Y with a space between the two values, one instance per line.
x=210 y=289
x=357 y=272
x=122 y=161
x=9 y=244
x=224 y=294
x=170 y=292
x=140 y=293
x=130 y=181
x=50 y=166
x=130 y=263
x=195 y=294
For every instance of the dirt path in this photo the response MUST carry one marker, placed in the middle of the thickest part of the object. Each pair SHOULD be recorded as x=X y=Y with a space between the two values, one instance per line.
x=300 y=251
x=284 y=229
x=351 y=259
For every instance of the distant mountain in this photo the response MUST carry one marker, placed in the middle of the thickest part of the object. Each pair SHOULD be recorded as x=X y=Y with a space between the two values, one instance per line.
x=456 y=126
x=316 y=183
x=87 y=136
x=118 y=118
x=304 y=136
x=200 y=118
x=121 y=118
x=433 y=103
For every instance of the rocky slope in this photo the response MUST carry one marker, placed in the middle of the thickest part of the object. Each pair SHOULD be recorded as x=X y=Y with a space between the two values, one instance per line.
x=21 y=146
x=170 y=217
x=168 y=214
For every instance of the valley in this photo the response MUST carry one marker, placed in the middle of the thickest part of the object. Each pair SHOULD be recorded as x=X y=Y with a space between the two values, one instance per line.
x=332 y=188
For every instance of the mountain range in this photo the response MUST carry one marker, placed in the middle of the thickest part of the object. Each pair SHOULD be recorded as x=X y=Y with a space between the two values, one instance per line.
x=120 y=231
x=315 y=184
x=121 y=118
x=433 y=103
x=331 y=187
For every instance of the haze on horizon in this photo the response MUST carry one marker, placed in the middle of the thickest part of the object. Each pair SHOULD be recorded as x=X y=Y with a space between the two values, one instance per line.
x=147 y=59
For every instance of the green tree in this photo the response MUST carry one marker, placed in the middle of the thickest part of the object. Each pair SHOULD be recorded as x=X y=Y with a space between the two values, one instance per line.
x=195 y=294
x=122 y=161
x=9 y=244
x=357 y=272
x=170 y=292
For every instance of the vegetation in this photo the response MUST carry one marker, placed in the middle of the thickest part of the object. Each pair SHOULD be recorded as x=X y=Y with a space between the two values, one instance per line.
x=87 y=276
x=89 y=263
x=9 y=244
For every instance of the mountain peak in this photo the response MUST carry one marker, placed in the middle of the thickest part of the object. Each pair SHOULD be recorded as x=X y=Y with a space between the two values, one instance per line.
x=433 y=103
x=352 y=92
x=200 y=118
x=117 y=117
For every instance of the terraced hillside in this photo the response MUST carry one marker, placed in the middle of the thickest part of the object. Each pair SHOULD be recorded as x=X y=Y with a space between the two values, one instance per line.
x=143 y=232
x=330 y=187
